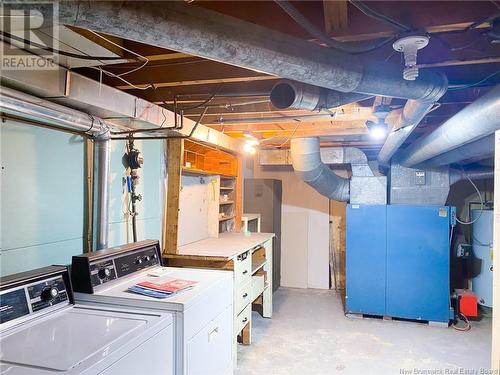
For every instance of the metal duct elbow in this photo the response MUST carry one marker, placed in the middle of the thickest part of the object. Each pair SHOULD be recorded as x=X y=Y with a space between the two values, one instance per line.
x=306 y=161
x=289 y=94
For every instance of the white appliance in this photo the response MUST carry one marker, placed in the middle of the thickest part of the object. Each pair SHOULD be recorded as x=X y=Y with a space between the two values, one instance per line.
x=43 y=332
x=203 y=315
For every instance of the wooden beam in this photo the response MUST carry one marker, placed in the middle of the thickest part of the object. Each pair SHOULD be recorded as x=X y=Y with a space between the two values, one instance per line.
x=335 y=14
x=495 y=345
x=199 y=82
x=484 y=60
x=238 y=206
x=174 y=166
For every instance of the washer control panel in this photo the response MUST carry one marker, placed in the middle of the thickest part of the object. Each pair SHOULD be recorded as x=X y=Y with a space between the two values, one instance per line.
x=32 y=297
x=113 y=268
x=92 y=270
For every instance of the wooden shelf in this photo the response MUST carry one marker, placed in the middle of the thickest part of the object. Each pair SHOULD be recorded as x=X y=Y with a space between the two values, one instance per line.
x=194 y=171
x=257 y=264
x=226 y=202
x=226 y=218
x=227 y=187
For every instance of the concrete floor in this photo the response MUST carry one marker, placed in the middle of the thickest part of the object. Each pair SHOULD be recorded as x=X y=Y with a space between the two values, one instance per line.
x=309 y=334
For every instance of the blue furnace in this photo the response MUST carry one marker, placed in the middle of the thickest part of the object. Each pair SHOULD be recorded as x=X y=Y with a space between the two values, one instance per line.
x=398 y=261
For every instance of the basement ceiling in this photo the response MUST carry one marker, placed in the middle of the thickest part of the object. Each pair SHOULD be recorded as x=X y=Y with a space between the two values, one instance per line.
x=463 y=45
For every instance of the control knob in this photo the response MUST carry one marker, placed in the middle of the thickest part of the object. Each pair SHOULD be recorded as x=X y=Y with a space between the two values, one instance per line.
x=138 y=261
x=147 y=258
x=103 y=273
x=49 y=293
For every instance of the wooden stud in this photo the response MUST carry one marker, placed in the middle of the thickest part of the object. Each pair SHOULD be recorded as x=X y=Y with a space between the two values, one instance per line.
x=238 y=199
x=174 y=165
x=246 y=334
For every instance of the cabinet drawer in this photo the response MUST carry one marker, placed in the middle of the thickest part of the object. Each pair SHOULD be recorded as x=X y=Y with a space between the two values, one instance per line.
x=242 y=296
x=242 y=268
x=211 y=350
x=257 y=285
x=242 y=319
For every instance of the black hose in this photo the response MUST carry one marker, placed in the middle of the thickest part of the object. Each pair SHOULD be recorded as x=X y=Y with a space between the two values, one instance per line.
x=381 y=17
x=318 y=34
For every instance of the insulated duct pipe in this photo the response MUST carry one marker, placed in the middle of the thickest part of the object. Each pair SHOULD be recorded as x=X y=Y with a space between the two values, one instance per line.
x=472 y=123
x=33 y=109
x=306 y=161
x=201 y=32
x=474 y=151
x=289 y=94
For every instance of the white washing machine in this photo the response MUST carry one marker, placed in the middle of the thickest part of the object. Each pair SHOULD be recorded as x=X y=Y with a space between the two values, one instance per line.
x=43 y=332
x=203 y=315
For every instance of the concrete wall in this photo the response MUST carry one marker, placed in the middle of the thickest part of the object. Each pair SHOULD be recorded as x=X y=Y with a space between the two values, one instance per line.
x=42 y=196
x=305 y=230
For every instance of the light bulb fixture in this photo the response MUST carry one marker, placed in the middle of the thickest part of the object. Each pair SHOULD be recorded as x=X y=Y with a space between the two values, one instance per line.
x=409 y=46
x=378 y=130
x=248 y=148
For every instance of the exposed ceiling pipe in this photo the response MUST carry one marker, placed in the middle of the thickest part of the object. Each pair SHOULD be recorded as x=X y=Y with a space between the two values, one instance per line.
x=201 y=32
x=472 y=123
x=289 y=94
x=33 y=109
x=413 y=112
x=474 y=151
x=306 y=161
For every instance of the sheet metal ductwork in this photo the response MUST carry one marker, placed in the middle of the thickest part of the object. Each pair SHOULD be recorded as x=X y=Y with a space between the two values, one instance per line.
x=413 y=112
x=472 y=123
x=289 y=94
x=470 y=153
x=306 y=161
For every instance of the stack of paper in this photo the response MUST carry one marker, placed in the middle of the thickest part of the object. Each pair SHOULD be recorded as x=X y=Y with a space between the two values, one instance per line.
x=162 y=289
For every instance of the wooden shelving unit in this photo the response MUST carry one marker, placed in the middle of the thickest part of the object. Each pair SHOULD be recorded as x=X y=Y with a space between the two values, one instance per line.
x=227 y=204
x=202 y=160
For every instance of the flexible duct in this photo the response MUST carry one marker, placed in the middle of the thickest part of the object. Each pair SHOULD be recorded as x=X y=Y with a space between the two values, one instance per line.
x=201 y=32
x=34 y=109
x=472 y=123
x=289 y=94
x=306 y=161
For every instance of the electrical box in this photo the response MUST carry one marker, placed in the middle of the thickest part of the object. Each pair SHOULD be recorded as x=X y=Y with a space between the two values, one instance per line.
x=398 y=262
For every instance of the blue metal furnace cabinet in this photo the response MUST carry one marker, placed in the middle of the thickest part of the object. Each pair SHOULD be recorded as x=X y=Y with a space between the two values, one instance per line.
x=398 y=261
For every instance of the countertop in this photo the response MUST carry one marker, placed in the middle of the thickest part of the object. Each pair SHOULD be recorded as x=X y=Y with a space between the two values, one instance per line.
x=225 y=247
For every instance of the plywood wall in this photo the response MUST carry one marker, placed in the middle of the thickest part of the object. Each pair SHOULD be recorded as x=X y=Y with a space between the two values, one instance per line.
x=198 y=208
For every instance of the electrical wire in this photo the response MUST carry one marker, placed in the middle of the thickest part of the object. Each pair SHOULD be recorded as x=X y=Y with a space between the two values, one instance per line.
x=305 y=24
x=480 y=198
x=467 y=323
x=461 y=87
x=146 y=60
x=380 y=17
x=11 y=37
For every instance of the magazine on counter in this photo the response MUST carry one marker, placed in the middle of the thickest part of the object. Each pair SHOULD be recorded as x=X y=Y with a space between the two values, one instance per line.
x=163 y=289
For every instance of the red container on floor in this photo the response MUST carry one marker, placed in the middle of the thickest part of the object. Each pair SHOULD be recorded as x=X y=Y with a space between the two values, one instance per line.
x=467 y=302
